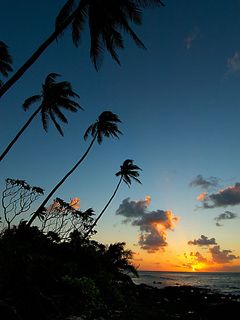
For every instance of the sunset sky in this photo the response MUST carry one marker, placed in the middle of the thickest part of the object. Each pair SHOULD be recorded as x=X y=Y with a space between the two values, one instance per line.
x=179 y=102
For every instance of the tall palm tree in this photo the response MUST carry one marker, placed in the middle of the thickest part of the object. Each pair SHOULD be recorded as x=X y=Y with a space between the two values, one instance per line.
x=5 y=60
x=106 y=20
x=105 y=126
x=128 y=172
x=54 y=96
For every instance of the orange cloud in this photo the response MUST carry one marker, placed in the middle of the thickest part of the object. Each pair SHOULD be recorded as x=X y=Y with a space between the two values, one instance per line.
x=202 y=196
x=75 y=203
x=148 y=200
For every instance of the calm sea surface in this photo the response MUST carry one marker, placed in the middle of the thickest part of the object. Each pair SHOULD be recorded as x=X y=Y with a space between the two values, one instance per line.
x=222 y=282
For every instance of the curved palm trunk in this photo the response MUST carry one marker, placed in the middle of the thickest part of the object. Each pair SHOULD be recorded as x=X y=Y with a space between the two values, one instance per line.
x=19 y=134
x=18 y=74
x=36 y=213
x=104 y=209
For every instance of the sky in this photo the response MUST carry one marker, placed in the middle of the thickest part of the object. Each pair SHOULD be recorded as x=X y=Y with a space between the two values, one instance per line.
x=179 y=105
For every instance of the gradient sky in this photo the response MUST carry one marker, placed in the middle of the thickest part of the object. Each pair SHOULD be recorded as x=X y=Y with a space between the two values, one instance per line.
x=179 y=105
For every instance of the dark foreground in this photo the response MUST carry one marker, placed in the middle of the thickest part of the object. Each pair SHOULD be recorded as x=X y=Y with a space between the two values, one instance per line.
x=183 y=302
x=44 y=277
x=145 y=302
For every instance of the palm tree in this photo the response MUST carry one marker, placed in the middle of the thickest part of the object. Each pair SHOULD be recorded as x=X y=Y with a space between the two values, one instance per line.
x=54 y=96
x=128 y=171
x=106 y=20
x=5 y=60
x=105 y=126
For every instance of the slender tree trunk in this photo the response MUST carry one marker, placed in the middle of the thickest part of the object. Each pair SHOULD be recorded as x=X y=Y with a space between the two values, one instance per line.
x=19 y=134
x=18 y=74
x=41 y=207
x=103 y=210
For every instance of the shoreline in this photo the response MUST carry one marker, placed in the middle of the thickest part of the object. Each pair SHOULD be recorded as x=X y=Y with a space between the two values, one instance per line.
x=181 y=302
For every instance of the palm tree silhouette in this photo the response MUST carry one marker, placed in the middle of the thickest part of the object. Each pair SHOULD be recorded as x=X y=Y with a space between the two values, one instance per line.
x=5 y=60
x=127 y=172
x=106 y=20
x=54 y=96
x=105 y=126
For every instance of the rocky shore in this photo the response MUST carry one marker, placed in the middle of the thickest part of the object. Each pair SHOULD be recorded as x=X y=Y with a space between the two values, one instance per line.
x=183 y=302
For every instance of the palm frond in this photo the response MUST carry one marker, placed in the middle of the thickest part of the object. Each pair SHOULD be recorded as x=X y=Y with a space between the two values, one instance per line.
x=5 y=60
x=60 y=115
x=29 y=101
x=64 y=13
x=45 y=119
x=88 y=132
x=150 y=3
x=59 y=129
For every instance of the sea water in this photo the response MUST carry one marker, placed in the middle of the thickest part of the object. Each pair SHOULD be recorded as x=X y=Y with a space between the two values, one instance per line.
x=228 y=283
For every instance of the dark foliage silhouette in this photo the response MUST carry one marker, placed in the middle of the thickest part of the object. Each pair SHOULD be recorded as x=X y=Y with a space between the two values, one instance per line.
x=106 y=20
x=44 y=279
x=127 y=172
x=5 y=61
x=54 y=97
x=105 y=126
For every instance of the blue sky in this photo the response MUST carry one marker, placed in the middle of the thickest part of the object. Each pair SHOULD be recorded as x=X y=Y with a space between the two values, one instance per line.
x=178 y=101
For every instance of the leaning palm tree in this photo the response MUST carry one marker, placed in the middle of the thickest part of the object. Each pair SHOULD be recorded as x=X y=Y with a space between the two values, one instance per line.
x=105 y=126
x=106 y=20
x=54 y=96
x=128 y=172
x=5 y=61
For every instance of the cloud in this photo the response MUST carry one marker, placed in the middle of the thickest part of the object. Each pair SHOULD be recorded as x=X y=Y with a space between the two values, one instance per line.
x=203 y=241
x=198 y=257
x=227 y=215
x=75 y=203
x=223 y=256
x=132 y=209
x=233 y=63
x=188 y=41
x=230 y=196
x=204 y=183
x=153 y=225
x=202 y=196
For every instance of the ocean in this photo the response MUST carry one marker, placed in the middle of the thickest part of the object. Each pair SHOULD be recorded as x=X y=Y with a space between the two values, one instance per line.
x=227 y=283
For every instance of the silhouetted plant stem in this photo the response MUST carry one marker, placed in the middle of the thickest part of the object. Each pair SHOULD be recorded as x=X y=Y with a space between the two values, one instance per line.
x=18 y=74
x=19 y=134
x=104 y=209
x=41 y=207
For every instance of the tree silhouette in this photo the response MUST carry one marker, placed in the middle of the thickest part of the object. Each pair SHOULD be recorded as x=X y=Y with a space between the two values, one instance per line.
x=127 y=172
x=105 y=126
x=5 y=60
x=54 y=96
x=106 y=20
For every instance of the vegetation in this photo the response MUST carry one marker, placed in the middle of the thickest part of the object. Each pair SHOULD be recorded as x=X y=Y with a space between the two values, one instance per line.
x=53 y=270
x=54 y=96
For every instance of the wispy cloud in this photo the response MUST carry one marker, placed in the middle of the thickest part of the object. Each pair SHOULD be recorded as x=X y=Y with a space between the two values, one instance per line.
x=233 y=63
x=229 y=196
x=153 y=225
x=227 y=215
x=204 y=183
x=203 y=241
x=189 y=39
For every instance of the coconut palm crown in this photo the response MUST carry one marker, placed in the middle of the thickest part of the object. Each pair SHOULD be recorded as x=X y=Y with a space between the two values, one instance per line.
x=129 y=171
x=106 y=20
x=105 y=126
x=54 y=96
